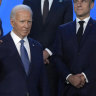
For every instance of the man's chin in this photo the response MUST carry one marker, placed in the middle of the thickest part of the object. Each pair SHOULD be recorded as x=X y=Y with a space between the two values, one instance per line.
x=80 y=15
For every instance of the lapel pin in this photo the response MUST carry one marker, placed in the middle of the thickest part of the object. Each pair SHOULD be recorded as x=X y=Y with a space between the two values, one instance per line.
x=33 y=45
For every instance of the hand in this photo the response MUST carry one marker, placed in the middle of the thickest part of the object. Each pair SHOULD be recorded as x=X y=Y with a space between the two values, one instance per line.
x=83 y=80
x=45 y=57
x=74 y=80
x=1 y=41
x=77 y=80
x=46 y=61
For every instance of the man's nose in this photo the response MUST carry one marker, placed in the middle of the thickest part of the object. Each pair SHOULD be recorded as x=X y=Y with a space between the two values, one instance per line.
x=26 y=24
x=79 y=3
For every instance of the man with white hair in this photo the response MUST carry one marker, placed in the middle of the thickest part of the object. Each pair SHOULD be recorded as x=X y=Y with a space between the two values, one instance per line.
x=22 y=70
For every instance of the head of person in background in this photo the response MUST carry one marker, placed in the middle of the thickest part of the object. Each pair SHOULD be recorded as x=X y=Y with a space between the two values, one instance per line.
x=82 y=8
x=1 y=30
x=0 y=2
x=21 y=20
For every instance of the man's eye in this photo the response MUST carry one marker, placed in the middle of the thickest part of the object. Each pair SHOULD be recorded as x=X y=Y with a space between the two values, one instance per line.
x=29 y=21
x=84 y=0
x=21 y=21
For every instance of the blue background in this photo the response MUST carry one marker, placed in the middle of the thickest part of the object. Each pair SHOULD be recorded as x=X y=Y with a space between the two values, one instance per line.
x=7 y=5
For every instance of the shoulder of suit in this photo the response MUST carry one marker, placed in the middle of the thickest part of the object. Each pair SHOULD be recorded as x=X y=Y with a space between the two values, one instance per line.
x=4 y=39
x=34 y=42
x=94 y=21
x=67 y=24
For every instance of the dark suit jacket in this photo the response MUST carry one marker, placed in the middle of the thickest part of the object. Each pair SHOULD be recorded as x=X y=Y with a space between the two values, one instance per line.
x=71 y=60
x=13 y=79
x=1 y=30
x=60 y=13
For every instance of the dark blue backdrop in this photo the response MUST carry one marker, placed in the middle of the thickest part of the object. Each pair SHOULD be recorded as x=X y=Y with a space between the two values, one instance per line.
x=6 y=7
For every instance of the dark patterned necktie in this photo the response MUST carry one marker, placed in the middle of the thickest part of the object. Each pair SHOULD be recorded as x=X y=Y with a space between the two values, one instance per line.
x=45 y=10
x=24 y=57
x=80 y=32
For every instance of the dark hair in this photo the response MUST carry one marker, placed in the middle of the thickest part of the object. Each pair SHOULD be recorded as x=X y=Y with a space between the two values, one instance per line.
x=91 y=0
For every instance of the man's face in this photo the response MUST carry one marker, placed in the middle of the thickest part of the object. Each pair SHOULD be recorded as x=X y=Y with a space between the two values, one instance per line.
x=22 y=23
x=82 y=8
x=0 y=2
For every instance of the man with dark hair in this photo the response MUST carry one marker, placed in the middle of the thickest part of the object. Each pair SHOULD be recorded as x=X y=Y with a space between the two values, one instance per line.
x=47 y=16
x=75 y=52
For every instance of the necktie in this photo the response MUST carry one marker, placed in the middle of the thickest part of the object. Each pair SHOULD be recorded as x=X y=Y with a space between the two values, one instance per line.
x=45 y=10
x=24 y=57
x=80 y=32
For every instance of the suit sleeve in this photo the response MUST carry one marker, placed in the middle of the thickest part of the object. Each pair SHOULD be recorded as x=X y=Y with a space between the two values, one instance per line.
x=44 y=88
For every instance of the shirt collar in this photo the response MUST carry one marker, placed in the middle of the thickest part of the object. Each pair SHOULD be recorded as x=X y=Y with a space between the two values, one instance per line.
x=16 y=38
x=86 y=19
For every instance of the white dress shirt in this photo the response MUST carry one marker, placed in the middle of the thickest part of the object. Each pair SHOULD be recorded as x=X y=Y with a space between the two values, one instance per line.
x=84 y=25
x=17 y=43
x=42 y=3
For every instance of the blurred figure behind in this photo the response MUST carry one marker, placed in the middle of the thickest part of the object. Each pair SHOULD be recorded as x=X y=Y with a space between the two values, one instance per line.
x=47 y=16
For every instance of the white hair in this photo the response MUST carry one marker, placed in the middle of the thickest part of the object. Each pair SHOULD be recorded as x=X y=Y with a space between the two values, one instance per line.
x=18 y=8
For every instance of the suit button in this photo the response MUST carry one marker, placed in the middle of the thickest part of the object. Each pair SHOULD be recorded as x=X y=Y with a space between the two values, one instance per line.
x=27 y=94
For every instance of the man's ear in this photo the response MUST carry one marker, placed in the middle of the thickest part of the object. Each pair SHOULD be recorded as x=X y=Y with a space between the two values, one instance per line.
x=91 y=5
x=12 y=22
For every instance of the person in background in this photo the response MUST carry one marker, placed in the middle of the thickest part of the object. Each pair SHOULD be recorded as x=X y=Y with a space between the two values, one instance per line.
x=75 y=52
x=22 y=71
x=47 y=16
x=1 y=30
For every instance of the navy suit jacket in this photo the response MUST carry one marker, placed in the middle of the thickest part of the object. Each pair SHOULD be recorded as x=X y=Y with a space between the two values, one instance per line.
x=60 y=13
x=13 y=79
x=72 y=59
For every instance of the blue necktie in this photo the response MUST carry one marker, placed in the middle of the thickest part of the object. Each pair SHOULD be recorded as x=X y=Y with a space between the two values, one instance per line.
x=24 y=57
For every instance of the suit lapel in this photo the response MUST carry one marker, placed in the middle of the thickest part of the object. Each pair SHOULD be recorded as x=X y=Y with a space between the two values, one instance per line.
x=87 y=31
x=52 y=10
x=73 y=34
x=37 y=10
x=39 y=13
x=14 y=53
x=32 y=51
